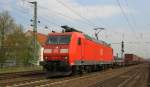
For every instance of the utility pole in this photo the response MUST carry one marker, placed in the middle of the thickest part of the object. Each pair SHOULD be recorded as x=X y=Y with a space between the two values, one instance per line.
x=122 y=49
x=34 y=24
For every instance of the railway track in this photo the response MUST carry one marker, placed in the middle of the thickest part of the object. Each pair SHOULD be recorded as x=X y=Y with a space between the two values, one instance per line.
x=119 y=77
x=122 y=79
x=19 y=74
x=70 y=82
x=132 y=78
x=20 y=77
x=42 y=81
x=148 y=81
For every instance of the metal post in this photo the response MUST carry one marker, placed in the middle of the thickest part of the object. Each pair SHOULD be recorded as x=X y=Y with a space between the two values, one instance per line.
x=35 y=28
x=35 y=21
x=122 y=49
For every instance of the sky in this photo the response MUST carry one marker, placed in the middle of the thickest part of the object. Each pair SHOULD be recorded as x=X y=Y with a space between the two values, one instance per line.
x=126 y=20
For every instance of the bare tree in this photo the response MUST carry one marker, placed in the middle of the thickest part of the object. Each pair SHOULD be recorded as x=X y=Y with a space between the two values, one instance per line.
x=6 y=24
x=14 y=45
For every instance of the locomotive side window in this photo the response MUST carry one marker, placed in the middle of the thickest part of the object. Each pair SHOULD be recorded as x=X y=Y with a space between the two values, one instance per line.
x=79 y=41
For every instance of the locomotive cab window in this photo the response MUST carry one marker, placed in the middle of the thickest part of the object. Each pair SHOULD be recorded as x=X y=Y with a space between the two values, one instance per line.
x=59 y=39
x=79 y=41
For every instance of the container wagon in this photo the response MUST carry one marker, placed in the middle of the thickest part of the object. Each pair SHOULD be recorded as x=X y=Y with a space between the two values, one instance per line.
x=132 y=59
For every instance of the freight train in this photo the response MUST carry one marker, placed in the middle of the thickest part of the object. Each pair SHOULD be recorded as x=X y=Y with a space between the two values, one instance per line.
x=72 y=51
x=129 y=59
x=132 y=59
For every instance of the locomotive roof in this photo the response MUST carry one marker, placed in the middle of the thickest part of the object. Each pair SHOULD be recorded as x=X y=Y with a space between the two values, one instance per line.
x=86 y=36
x=57 y=33
x=97 y=41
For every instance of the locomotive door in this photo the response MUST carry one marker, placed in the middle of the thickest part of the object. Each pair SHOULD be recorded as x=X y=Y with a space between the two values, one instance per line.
x=80 y=50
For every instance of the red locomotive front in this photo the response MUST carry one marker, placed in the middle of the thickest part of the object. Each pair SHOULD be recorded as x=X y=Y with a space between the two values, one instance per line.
x=56 y=53
x=57 y=47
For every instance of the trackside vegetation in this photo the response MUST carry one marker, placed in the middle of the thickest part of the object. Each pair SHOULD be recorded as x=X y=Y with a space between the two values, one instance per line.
x=16 y=49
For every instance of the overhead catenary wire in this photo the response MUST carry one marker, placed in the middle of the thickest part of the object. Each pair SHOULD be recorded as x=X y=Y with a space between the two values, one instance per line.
x=44 y=18
x=135 y=25
x=86 y=20
x=68 y=17
x=53 y=12
x=130 y=14
x=131 y=42
x=56 y=13
x=78 y=14
x=132 y=17
x=63 y=15
x=127 y=19
x=125 y=16
x=83 y=17
x=39 y=17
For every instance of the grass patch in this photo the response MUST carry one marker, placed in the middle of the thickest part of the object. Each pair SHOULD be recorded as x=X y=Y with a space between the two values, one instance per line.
x=19 y=69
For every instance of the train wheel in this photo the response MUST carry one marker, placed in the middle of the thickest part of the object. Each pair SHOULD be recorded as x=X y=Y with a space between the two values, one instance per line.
x=88 y=69
x=81 y=70
x=74 y=70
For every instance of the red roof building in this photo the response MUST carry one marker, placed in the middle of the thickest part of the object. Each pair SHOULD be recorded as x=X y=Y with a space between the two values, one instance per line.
x=41 y=38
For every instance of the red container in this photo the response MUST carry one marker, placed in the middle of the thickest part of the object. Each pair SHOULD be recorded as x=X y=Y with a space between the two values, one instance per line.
x=132 y=59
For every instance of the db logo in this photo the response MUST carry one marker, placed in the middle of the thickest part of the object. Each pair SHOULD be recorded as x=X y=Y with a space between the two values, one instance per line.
x=56 y=50
x=101 y=51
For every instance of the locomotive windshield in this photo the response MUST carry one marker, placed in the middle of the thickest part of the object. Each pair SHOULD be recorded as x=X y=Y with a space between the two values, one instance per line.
x=62 y=39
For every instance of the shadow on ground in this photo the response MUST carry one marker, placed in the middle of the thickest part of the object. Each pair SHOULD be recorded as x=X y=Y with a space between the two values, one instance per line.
x=148 y=82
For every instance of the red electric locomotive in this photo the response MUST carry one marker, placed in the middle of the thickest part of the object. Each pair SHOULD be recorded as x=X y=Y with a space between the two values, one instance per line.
x=72 y=51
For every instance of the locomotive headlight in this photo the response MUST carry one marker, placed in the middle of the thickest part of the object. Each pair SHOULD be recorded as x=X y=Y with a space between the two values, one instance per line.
x=64 y=50
x=46 y=58
x=47 y=50
x=66 y=58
